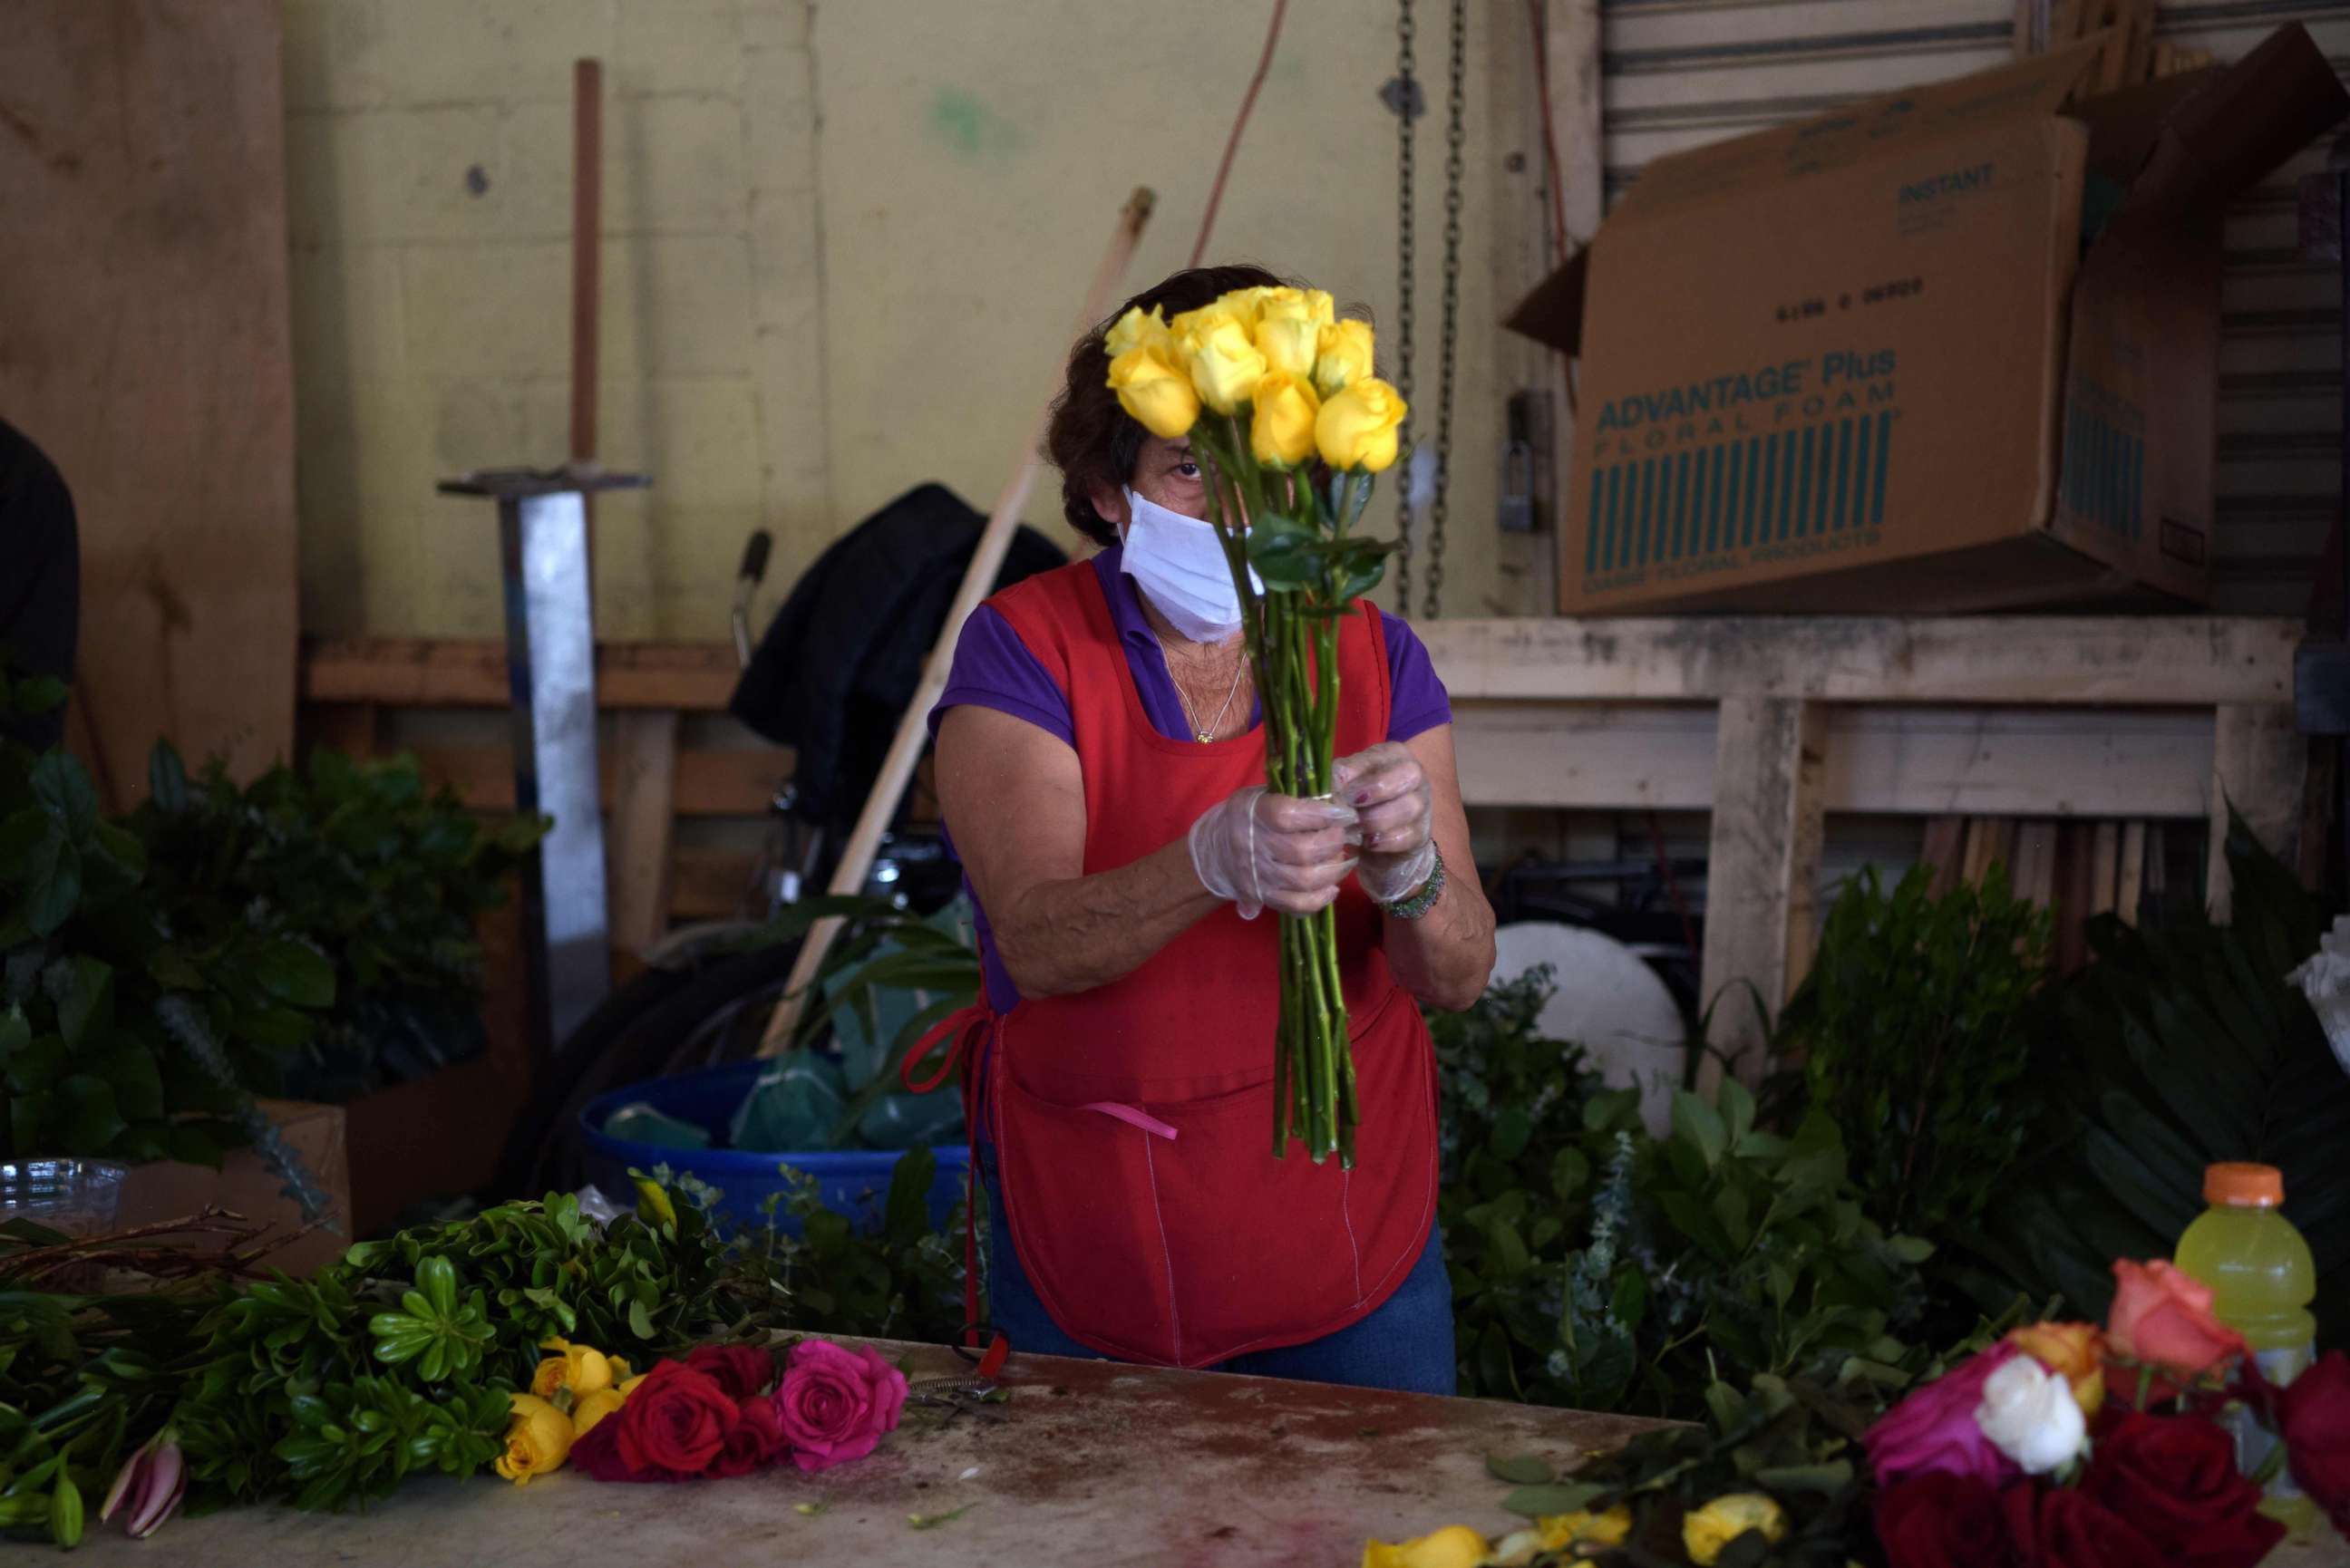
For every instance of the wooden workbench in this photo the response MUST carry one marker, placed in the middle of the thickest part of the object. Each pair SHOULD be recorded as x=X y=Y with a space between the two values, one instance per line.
x=1087 y=1463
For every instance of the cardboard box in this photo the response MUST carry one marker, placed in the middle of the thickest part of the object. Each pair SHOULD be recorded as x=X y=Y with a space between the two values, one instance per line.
x=1863 y=363
x=167 y=1189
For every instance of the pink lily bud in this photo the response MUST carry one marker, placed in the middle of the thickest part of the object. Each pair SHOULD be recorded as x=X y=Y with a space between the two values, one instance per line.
x=150 y=1486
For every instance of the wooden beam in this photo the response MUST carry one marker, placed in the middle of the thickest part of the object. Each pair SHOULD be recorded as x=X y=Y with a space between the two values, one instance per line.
x=415 y=672
x=708 y=884
x=1933 y=762
x=2183 y=662
x=637 y=841
x=707 y=782
x=2260 y=764
x=1762 y=877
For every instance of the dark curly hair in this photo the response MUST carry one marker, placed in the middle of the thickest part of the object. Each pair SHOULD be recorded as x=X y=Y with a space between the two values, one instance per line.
x=1091 y=440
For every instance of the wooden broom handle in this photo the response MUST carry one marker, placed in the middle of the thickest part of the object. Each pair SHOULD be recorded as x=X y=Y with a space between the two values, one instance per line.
x=906 y=749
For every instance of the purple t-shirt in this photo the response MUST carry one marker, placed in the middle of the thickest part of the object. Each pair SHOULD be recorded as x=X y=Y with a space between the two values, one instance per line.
x=993 y=669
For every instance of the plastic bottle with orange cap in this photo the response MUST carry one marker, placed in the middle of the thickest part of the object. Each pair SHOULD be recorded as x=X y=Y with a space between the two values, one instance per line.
x=2262 y=1281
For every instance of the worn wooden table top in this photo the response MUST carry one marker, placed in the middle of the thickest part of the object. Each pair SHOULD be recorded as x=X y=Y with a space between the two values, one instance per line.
x=1086 y=1463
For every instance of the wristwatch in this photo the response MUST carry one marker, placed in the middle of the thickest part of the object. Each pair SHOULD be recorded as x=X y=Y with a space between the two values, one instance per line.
x=1412 y=905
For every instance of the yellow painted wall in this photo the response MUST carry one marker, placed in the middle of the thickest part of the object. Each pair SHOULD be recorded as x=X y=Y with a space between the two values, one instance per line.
x=843 y=248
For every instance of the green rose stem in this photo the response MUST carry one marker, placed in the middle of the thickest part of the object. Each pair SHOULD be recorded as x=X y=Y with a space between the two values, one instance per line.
x=1292 y=637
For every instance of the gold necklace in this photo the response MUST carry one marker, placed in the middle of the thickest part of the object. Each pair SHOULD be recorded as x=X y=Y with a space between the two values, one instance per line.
x=1204 y=733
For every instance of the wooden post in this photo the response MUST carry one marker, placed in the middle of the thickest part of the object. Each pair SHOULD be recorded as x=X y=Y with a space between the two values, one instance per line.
x=2260 y=764
x=1762 y=884
x=644 y=797
x=587 y=255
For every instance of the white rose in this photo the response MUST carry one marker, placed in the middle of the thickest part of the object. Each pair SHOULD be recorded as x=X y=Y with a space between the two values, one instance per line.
x=2030 y=1415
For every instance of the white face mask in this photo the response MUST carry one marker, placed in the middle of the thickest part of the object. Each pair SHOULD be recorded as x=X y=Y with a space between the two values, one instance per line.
x=1178 y=564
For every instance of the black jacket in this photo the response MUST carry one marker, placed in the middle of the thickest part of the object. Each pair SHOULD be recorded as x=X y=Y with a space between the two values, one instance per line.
x=40 y=578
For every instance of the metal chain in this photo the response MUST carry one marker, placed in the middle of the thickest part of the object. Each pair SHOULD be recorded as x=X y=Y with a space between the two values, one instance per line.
x=1405 y=115
x=1453 y=139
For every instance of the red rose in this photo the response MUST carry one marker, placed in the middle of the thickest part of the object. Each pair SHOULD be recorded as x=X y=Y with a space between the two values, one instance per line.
x=1942 y=1520
x=2174 y=1478
x=2313 y=1413
x=755 y=1441
x=676 y=1419
x=596 y=1454
x=2057 y=1527
x=742 y=1370
x=835 y=1403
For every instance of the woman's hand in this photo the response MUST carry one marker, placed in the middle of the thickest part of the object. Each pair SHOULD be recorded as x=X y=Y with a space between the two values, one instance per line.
x=1263 y=850
x=1396 y=815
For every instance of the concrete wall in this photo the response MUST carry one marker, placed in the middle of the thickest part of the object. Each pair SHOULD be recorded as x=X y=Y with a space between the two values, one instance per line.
x=842 y=251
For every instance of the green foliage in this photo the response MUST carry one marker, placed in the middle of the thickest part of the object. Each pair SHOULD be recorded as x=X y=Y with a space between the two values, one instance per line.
x=355 y=860
x=1911 y=1023
x=1597 y=1267
x=89 y=955
x=2181 y=1047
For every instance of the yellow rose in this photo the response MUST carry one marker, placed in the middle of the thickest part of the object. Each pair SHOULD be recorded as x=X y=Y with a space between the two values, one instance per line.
x=628 y=1387
x=579 y=1367
x=1454 y=1546
x=1583 y=1527
x=1151 y=387
x=1282 y=430
x=594 y=1407
x=1238 y=308
x=1224 y=364
x=2074 y=1352
x=1709 y=1531
x=538 y=1441
x=1357 y=428
x=1136 y=330
x=1342 y=356
x=1289 y=323
x=1520 y=1549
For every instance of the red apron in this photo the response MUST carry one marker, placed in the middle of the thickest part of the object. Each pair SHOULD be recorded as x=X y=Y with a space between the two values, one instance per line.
x=1133 y=1123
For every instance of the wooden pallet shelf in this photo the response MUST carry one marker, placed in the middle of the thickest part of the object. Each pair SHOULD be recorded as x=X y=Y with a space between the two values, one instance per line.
x=1768 y=723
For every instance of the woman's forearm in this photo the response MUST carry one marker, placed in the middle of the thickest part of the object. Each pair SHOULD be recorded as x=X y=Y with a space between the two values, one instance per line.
x=1444 y=957
x=1079 y=932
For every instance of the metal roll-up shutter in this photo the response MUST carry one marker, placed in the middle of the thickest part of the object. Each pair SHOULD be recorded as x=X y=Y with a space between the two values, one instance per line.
x=1677 y=74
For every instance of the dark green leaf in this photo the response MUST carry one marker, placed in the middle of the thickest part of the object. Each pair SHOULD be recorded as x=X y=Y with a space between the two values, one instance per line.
x=62 y=787
x=295 y=975
x=1533 y=1501
x=1521 y=1470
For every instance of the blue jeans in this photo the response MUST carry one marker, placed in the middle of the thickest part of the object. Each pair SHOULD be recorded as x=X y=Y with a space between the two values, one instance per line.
x=1405 y=1344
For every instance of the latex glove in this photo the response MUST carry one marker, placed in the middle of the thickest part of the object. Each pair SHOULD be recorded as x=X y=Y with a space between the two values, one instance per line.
x=1259 y=849
x=1396 y=813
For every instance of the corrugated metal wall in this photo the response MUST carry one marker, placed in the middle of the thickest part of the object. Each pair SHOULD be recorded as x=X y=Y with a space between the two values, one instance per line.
x=1679 y=73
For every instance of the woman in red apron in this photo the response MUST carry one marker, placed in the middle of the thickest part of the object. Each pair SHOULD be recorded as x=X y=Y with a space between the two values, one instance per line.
x=1101 y=768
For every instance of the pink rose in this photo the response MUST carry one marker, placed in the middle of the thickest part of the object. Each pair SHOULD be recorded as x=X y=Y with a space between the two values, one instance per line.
x=2163 y=1316
x=1935 y=1429
x=836 y=1404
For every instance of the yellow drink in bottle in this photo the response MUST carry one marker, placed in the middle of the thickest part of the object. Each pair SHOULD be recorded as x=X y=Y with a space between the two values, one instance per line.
x=2261 y=1281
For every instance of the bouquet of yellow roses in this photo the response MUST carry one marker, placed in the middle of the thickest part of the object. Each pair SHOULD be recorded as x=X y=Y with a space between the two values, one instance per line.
x=1277 y=397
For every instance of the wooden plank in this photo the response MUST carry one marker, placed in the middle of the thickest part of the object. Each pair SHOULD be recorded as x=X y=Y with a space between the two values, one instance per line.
x=471 y=672
x=636 y=840
x=2105 y=868
x=2188 y=661
x=708 y=783
x=709 y=884
x=1944 y=853
x=2035 y=863
x=142 y=242
x=1763 y=874
x=1903 y=761
x=2260 y=764
x=354 y=728
x=2130 y=873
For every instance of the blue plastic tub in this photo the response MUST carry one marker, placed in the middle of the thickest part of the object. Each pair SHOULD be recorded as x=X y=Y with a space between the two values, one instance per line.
x=852 y=1181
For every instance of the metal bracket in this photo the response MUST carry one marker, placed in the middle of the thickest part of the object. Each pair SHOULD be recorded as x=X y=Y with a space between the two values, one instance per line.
x=551 y=672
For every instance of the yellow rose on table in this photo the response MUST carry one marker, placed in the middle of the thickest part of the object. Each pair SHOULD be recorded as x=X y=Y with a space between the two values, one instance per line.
x=1585 y=1528
x=1709 y=1531
x=1135 y=330
x=1224 y=363
x=2074 y=1352
x=1357 y=428
x=628 y=1387
x=1289 y=323
x=593 y=1408
x=1342 y=356
x=1454 y=1546
x=1282 y=429
x=1155 y=390
x=581 y=1368
x=538 y=1441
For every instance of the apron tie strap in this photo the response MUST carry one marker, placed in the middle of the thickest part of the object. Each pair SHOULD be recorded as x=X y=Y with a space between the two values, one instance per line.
x=1133 y=1118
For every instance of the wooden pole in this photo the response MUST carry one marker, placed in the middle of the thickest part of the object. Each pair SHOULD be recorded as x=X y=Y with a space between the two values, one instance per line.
x=586 y=225
x=978 y=580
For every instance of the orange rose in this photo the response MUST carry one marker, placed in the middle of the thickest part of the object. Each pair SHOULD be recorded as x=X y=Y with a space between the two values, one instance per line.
x=2074 y=1352
x=2163 y=1317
